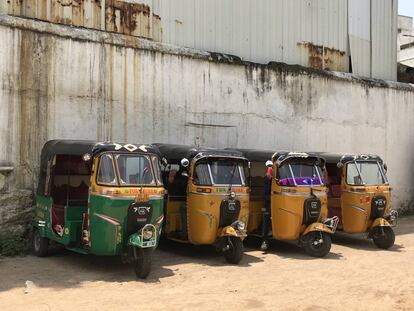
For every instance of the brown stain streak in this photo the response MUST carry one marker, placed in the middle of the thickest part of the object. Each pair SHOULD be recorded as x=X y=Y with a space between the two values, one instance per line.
x=321 y=57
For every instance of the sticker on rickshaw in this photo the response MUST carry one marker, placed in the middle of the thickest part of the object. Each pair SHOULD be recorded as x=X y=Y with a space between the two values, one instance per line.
x=66 y=231
x=40 y=214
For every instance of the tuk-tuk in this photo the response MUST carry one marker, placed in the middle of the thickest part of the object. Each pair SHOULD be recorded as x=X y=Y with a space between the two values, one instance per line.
x=298 y=202
x=100 y=198
x=208 y=197
x=360 y=196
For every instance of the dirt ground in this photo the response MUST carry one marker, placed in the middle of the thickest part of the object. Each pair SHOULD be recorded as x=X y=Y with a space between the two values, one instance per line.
x=355 y=276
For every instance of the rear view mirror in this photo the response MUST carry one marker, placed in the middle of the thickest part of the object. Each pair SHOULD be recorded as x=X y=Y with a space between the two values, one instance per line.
x=339 y=164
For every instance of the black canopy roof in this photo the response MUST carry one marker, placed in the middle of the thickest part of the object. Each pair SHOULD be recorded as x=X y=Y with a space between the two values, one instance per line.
x=80 y=147
x=174 y=153
x=343 y=157
x=255 y=155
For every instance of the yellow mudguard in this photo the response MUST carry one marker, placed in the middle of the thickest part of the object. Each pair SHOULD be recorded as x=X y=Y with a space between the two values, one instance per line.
x=317 y=226
x=380 y=222
x=230 y=231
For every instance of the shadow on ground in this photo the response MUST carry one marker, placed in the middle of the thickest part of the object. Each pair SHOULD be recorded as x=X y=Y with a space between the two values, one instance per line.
x=286 y=249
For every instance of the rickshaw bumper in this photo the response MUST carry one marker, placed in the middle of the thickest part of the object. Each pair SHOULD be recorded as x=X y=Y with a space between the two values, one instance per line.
x=392 y=218
x=144 y=238
x=328 y=226
x=236 y=229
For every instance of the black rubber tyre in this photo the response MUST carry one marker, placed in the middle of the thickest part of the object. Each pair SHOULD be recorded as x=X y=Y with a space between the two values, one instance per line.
x=142 y=265
x=383 y=237
x=40 y=245
x=235 y=252
x=315 y=249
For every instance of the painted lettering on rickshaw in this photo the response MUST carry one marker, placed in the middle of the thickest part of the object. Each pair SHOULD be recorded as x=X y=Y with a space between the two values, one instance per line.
x=226 y=190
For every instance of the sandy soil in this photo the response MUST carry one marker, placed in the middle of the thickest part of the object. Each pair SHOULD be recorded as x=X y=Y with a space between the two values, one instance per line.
x=355 y=276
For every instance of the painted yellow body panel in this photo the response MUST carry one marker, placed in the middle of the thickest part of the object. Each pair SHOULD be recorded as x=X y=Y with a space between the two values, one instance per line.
x=287 y=210
x=203 y=212
x=356 y=206
x=255 y=214
x=173 y=219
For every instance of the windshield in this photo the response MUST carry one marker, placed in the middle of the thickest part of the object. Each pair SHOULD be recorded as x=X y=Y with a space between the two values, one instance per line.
x=300 y=173
x=362 y=173
x=220 y=171
x=134 y=170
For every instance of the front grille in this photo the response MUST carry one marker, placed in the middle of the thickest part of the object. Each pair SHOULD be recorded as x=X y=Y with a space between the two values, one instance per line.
x=229 y=212
x=311 y=211
x=139 y=214
x=378 y=205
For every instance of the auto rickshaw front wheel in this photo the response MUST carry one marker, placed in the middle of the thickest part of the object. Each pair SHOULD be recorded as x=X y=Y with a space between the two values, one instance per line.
x=234 y=251
x=142 y=264
x=383 y=237
x=40 y=245
x=317 y=243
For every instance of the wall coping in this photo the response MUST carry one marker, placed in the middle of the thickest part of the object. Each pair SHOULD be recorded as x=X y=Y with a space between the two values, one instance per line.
x=93 y=35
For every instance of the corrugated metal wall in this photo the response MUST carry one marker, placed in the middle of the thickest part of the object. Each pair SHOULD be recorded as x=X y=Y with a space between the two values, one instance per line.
x=315 y=33
x=323 y=34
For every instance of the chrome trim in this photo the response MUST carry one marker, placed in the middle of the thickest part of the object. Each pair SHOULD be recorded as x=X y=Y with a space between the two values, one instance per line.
x=220 y=194
x=298 y=194
x=359 y=208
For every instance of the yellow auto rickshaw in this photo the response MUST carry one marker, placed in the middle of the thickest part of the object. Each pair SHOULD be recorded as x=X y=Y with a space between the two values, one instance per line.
x=208 y=197
x=297 y=199
x=360 y=196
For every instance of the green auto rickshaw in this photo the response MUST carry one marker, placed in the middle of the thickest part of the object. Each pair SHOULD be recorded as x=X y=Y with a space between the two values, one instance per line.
x=100 y=198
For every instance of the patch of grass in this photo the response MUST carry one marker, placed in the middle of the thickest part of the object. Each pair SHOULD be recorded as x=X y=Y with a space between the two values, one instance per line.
x=12 y=244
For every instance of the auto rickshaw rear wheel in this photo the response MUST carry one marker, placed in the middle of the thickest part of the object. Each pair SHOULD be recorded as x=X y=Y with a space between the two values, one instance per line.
x=142 y=264
x=234 y=253
x=383 y=237
x=40 y=245
x=317 y=243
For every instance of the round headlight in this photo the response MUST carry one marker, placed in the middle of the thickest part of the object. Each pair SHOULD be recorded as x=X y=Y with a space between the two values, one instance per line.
x=232 y=194
x=241 y=226
x=147 y=234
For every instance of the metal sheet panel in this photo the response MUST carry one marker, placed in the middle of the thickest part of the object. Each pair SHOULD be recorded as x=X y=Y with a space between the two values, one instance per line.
x=359 y=25
x=384 y=39
x=261 y=30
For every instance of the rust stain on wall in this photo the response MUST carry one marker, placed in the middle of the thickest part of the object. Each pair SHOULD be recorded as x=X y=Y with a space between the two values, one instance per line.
x=322 y=57
x=121 y=16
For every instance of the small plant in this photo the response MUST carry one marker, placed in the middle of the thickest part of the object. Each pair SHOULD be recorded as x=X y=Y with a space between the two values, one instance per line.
x=12 y=244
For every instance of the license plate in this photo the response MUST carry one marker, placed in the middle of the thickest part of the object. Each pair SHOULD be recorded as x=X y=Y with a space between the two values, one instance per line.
x=149 y=243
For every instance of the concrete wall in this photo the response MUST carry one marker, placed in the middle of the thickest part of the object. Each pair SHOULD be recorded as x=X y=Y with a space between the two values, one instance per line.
x=62 y=82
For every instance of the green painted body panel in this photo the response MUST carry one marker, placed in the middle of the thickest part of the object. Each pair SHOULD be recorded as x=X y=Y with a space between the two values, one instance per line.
x=107 y=224
x=107 y=237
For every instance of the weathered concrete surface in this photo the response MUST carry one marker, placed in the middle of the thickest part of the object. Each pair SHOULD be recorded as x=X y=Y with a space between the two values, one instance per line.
x=62 y=82
x=16 y=211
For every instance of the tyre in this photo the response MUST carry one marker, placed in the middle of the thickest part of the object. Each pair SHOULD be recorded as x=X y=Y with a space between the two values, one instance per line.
x=40 y=245
x=383 y=237
x=234 y=253
x=142 y=264
x=317 y=243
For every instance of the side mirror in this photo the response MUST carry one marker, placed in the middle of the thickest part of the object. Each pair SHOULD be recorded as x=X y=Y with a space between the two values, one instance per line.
x=269 y=163
x=164 y=161
x=185 y=162
x=385 y=167
x=339 y=164
x=184 y=174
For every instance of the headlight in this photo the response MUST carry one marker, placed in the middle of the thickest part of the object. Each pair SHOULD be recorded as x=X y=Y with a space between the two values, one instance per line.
x=241 y=226
x=147 y=234
x=232 y=194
